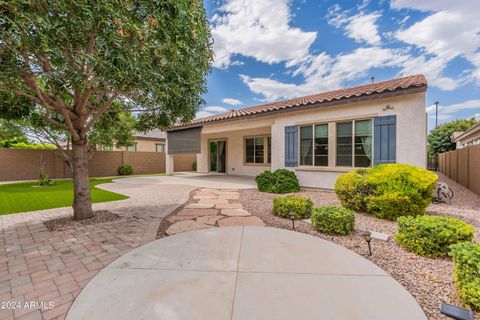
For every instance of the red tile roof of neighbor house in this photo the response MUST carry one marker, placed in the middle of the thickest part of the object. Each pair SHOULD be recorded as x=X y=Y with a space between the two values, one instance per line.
x=370 y=89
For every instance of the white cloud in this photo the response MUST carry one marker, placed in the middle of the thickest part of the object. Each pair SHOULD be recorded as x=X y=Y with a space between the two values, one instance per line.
x=203 y=114
x=477 y=117
x=449 y=111
x=259 y=29
x=233 y=102
x=361 y=27
x=215 y=109
x=452 y=30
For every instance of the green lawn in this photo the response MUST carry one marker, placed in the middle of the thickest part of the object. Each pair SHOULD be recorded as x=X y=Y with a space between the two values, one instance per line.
x=29 y=196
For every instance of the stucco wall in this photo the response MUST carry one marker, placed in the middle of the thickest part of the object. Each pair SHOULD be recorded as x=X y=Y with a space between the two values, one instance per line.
x=411 y=135
x=235 y=154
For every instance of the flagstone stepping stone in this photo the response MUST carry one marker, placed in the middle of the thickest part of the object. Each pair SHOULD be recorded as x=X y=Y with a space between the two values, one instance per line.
x=216 y=201
x=198 y=197
x=210 y=220
x=235 y=212
x=241 y=221
x=200 y=206
x=229 y=196
x=193 y=213
x=177 y=218
x=228 y=206
x=184 y=226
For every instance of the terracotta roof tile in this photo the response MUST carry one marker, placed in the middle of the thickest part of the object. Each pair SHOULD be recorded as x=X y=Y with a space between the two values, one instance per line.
x=340 y=94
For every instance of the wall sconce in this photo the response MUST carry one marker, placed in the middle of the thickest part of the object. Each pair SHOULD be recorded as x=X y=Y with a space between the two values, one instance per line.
x=292 y=216
x=367 y=235
x=387 y=107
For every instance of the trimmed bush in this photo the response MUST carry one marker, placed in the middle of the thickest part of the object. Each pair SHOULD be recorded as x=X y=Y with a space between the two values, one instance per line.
x=331 y=219
x=194 y=166
x=387 y=191
x=279 y=181
x=125 y=170
x=432 y=235
x=302 y=207
x=466 y=259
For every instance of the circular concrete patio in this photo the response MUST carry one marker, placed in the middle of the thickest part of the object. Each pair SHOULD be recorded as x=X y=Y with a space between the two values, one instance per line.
x=243 y=273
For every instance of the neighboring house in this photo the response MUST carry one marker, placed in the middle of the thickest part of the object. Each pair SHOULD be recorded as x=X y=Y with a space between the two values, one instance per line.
x=467 y=138
x=319 y=136
x=151 y=141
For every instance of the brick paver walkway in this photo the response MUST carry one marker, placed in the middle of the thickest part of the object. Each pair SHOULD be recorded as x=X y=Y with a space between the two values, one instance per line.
x=48 y=269
x=211 y=208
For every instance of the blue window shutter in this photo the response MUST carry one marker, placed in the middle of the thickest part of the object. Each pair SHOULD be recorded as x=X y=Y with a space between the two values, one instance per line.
x=291 y=146
x=385 y=141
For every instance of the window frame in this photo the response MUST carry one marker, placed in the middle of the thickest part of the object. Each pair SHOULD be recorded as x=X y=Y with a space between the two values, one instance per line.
x=160 y=144
x=265 y=150
x=134 y=145
x=332 y=141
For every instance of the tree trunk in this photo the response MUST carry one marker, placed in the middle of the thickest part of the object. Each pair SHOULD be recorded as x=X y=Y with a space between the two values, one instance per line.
x=82 y=204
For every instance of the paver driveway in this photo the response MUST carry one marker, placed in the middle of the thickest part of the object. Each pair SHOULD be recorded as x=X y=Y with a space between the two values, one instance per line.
x=243 y=273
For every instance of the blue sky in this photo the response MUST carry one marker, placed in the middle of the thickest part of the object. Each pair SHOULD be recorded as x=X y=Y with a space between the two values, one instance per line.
x=270 y=50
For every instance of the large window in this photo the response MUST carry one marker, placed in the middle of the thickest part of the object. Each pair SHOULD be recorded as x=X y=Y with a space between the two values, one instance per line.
x=255 y=150
x=354 y=143
x=314 y=145
x=132 y=147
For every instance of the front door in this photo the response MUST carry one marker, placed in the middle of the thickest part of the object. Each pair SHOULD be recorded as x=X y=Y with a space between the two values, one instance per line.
x=218 y=156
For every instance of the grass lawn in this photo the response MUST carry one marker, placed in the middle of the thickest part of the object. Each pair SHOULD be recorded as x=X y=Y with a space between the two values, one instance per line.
x=29 y=196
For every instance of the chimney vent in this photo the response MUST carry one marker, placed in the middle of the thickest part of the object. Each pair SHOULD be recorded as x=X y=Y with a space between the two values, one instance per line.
x=373 y=79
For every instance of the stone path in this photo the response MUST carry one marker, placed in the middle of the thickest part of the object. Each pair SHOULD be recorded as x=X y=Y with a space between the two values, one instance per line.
x=212 y=208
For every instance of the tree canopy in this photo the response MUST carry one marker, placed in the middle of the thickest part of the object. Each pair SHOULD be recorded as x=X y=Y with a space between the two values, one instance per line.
x=77 y=59
x=440 y=138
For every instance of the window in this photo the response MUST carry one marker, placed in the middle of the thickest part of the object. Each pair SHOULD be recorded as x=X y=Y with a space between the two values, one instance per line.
x=269 y=150
x=105 y=148
x=344 y=144
x=354 y=143
x=321 y=145
x=314 y=145
x=363 y=143
x=306 y=146
x=132 y=147
x=255 y=150
x=159 y=147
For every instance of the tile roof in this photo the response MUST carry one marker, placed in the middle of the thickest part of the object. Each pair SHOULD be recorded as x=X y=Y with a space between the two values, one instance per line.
x=335 y=95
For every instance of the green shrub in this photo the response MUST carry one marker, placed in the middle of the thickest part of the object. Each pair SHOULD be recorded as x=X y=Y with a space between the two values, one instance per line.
x=466 y=259
x=194 y=165
x=302 y=207
x=279 y=181
x=330 y=219
x=432 y=235
x=387 y=191
x=125 y=170
x=44 y=180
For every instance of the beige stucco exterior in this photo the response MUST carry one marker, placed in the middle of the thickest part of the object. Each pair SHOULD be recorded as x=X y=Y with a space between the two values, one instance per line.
x=410 y=145
x=468 y=138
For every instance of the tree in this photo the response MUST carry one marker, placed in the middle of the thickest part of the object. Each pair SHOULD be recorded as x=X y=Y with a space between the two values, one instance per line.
x=76 y=58
x=440 y=138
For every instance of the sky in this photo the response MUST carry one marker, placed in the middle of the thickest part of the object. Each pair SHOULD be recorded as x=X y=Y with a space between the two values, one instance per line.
x=271 y=50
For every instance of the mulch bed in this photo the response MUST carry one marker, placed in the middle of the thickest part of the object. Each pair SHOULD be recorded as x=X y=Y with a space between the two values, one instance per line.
x=430 y=281
x=66 y=223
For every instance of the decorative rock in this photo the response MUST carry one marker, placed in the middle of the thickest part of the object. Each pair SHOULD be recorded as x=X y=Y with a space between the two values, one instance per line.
x=210 y=220
x=228 y=206
x=184 y=226
x=235 y=212
x=241 y=221
x=197 y=212
x=199 y=206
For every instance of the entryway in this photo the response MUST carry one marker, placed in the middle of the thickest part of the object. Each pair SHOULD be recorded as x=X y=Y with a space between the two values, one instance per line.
x=218 y=156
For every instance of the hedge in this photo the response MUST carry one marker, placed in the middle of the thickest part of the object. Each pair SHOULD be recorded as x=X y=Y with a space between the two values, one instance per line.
x=279 y=181
x=302 y=207
x=466 y=259
x=125 y=170
x=432 y=235
x=331 y=219
x=387 y=191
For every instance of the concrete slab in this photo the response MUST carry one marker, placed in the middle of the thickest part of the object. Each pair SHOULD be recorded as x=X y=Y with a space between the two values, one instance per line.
x=210 y=274
x=287 y=251
x=168 y=295
x=214 y=249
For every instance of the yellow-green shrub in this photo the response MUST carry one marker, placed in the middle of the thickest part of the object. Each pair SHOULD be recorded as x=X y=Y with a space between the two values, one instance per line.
x=432 y=235
x=302 y=207
x=387 y=191
x=330 y=219
x=466 y=259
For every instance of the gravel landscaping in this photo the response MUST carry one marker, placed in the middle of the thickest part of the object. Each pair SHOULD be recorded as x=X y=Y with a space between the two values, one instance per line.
x=66 y=223
x=430 y=281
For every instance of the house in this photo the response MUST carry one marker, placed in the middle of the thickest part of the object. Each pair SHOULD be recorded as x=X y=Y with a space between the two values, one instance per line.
x=319 y=136
x=151 y=141
x=467 y=138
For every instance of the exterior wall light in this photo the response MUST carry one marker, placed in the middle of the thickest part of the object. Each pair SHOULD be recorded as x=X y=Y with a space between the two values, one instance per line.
x=367 y=235
x=292 y=216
